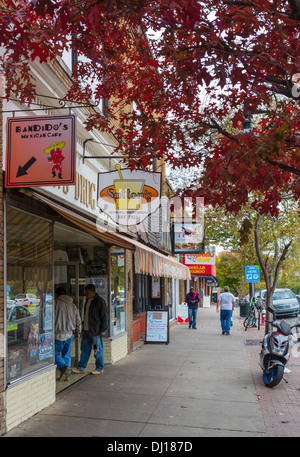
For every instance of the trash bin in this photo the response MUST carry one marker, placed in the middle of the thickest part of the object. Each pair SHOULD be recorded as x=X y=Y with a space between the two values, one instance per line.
x=244 y=309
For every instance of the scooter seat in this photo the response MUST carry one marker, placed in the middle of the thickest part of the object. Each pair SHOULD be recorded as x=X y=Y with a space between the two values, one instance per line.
x=284 y=328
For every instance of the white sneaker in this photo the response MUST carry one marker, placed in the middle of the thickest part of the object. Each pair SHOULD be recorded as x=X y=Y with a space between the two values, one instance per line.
x=96 y=372
x=77 y=370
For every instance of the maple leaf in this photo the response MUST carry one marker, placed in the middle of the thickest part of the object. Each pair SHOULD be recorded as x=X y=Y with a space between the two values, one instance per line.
x=191 y=67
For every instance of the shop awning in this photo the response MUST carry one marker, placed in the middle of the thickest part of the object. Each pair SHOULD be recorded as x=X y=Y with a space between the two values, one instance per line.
x=84 y=223
x=147 y=260
x=211 y=281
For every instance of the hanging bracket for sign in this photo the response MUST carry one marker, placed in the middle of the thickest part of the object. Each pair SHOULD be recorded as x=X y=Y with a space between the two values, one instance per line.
x=84 y=156
x=61 y=101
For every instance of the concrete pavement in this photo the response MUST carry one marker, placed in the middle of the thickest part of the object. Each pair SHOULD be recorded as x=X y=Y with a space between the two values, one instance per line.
x=199 y=385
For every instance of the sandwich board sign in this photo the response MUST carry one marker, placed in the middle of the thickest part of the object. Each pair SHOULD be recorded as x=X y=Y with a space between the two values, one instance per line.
x=183 y=313
x=157 y=326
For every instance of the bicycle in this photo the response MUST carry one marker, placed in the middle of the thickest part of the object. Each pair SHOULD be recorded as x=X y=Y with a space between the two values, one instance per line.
x=250 y=321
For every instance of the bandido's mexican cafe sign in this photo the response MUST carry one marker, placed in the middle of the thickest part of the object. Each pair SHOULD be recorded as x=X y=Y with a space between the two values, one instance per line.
x=41 y=151
x=127 y=196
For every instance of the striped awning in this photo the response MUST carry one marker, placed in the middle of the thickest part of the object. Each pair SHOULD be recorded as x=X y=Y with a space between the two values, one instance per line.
x=147 y=260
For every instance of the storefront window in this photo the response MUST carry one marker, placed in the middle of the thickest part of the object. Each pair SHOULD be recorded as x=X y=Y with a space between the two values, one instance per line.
x=141 y=294
x=29 y=299
x=118 y=292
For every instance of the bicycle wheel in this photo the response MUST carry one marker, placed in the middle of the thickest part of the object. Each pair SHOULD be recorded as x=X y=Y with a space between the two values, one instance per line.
x=250 y=321
x=245 y=323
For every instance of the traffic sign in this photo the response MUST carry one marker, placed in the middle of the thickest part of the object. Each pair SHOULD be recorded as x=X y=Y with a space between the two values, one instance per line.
x=41 y=151
x=252 y=273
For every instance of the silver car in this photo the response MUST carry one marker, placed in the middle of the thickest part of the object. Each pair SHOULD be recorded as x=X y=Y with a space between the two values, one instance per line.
x=27 y=300
x=284 y=302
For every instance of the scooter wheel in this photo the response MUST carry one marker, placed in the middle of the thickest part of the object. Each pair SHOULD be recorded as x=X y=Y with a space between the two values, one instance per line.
x=273 y=377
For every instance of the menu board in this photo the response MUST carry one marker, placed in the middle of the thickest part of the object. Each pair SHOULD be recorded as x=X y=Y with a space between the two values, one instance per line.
x=157 y=326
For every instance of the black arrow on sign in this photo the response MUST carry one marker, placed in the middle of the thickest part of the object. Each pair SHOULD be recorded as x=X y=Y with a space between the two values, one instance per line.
x=22 y=171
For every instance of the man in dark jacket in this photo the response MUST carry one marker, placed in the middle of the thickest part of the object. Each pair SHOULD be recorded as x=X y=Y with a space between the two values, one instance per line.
x=94 y=325
x=192 y=299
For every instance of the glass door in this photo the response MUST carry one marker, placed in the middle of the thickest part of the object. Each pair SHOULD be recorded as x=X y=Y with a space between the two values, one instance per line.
x=66 y=274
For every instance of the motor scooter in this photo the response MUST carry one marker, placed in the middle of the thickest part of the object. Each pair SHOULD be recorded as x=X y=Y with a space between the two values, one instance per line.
x=274 y=353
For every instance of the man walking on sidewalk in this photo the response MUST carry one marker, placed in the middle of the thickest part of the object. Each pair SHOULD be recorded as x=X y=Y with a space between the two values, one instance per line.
x=94 y=326
x=192 y=299
x=226 y=302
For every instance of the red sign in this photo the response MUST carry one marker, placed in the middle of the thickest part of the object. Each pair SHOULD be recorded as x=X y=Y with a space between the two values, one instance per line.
x=41 y=151
x=197 y=268
x=202 y=270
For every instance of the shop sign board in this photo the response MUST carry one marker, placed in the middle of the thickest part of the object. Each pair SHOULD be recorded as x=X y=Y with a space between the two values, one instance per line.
x=41 y=151
x=188 y=237
x=200 y=259
x=199 y=267
x=127 y=196
x=157 y=326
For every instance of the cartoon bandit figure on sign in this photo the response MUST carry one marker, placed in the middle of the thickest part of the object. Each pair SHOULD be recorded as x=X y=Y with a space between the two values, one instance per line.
x=56 y=157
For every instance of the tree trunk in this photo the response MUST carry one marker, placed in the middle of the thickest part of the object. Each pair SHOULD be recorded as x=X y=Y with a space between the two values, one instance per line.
x=270 y=278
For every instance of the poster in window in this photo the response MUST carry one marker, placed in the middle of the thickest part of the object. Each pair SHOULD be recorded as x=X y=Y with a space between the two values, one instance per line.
x=33 y=344
x=46 y=346
x=101 y=285
x=155 y=290
x=47 y=312
x=14 y=364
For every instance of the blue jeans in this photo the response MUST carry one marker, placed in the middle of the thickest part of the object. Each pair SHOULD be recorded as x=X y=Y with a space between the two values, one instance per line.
x=88 y=342
x=192 y=317
x=225 y=316
x=63 y=353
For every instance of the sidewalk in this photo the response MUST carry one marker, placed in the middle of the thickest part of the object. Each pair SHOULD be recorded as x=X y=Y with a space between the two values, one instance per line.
x=280 y=406
x=199 y=385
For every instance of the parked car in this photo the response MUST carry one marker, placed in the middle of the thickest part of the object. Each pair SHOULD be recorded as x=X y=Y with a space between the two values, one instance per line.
x=27 y=300
x=19 y=321
x=284 y=302
x=10 y=302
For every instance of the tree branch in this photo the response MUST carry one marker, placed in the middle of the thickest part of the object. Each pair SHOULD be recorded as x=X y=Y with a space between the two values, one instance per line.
x=284 y=167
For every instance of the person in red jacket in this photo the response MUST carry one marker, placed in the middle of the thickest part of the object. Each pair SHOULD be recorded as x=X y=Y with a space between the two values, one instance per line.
x=192 y=299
